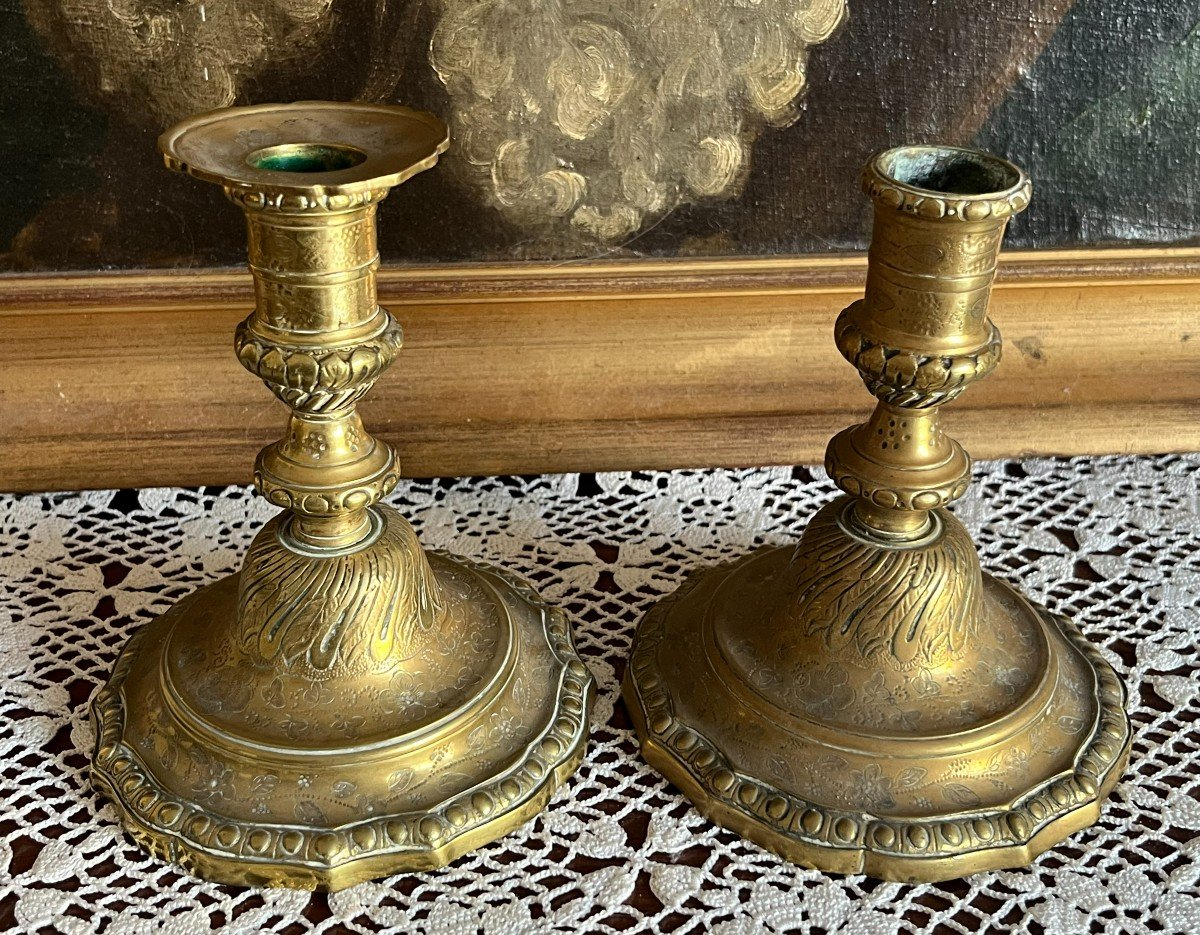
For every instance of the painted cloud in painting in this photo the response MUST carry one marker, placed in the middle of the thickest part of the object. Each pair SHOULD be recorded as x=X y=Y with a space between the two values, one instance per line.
x=582 y=122
x=601 y=116
x=160 y=60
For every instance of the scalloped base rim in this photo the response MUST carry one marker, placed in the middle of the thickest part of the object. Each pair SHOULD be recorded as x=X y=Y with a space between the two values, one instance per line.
x=863 y=860
x=236 y=870
x=234 y=851
x=840 y=839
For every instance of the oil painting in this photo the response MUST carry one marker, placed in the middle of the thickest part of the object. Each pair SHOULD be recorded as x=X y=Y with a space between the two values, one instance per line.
x=619 y=128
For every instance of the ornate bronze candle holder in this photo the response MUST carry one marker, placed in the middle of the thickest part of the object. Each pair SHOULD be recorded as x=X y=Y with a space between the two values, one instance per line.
x=348 y=705
x=869 y=701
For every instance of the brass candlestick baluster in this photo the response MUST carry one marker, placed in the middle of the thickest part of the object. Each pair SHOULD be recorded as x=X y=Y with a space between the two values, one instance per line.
x=348 y=705
x=869 y=701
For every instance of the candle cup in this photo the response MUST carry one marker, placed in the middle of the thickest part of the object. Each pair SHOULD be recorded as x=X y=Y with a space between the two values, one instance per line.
x=347 y=705
x=869 y=701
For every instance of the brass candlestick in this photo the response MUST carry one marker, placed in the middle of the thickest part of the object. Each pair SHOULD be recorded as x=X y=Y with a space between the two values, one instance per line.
x=869 y=701
x=348 y=705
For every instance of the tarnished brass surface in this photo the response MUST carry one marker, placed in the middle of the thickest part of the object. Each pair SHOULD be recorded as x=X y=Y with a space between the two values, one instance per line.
x=870 y=701
x=347 y=705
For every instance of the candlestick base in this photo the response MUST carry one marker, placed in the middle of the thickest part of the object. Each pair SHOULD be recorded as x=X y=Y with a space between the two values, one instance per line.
x=816 y=719
x=330 y=771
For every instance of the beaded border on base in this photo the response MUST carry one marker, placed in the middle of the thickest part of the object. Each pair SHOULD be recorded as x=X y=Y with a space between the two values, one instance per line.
x=147 y=810
x=820 y=827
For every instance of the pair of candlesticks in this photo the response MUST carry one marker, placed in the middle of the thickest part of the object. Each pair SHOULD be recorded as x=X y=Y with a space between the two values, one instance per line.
x=349 y=705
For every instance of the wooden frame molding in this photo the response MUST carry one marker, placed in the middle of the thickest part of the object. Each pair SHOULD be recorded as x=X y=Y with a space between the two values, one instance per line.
x=130 y=379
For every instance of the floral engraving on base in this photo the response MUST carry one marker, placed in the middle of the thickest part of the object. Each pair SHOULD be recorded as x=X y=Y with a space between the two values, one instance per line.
x=818 y=825
x=180 y=830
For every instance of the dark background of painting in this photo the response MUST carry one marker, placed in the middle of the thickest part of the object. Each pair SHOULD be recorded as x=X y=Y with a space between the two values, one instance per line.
x=1099 y=100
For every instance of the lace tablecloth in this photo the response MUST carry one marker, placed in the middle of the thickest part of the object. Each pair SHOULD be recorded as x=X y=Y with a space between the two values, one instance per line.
x=1114 y=542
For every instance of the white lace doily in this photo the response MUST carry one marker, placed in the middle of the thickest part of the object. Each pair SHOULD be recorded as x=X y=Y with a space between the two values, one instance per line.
x=1114 y=542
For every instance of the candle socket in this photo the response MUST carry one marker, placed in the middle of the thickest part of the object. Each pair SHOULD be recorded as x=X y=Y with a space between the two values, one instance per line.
x=869 y=701
x=347 y=705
